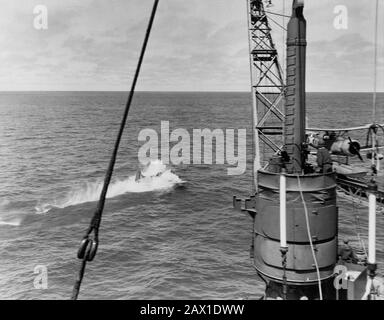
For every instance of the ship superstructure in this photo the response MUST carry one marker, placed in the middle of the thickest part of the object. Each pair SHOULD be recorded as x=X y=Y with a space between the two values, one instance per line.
x=294 y=209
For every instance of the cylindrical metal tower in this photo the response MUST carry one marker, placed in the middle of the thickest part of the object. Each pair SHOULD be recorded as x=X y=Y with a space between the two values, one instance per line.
x=311 y=213
x=294 y=128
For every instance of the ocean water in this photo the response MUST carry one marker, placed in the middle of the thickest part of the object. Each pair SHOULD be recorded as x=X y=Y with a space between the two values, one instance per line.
x=175 y=237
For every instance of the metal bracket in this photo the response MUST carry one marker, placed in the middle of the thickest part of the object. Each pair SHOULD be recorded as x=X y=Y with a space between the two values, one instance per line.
x=245 y=205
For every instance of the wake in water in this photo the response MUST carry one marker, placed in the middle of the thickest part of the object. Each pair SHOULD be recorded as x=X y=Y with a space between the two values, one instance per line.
x=7 y=216
x=14 y=222
x=154 y=177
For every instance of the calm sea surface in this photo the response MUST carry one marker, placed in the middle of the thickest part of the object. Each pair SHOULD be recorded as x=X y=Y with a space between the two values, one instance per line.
x=162 y=241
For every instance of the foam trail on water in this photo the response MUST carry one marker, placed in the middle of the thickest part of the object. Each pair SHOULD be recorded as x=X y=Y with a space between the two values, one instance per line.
x=9 y=217
x=156 y=177
x=13 y=222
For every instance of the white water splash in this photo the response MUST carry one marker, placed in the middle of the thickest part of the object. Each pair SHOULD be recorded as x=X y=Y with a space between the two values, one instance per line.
x=155 y=177
x=15 y=222
x=154 y=168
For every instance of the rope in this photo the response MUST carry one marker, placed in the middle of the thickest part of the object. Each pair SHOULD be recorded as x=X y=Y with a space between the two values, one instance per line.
x=310 y=238
x=88 y=248
x=284 y=264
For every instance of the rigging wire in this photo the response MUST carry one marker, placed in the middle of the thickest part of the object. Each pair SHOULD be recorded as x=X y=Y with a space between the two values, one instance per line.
x=375 y=62
x=310 y=238
x=375 y=149
x=278 y=24
x=284 y=42
x=370 y=287
x=277 y=14
x=253 y=91
x=89 y=246
x=284 y=69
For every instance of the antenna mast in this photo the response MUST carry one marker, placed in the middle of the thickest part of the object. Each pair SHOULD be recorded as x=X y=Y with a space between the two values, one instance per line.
x=268 y=88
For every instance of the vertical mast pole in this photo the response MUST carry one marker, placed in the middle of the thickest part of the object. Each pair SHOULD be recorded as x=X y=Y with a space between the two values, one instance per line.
x=372 y=266
x=283 y=210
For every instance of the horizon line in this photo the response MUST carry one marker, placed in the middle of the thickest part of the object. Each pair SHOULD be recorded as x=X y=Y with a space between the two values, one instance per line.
x=173 y=91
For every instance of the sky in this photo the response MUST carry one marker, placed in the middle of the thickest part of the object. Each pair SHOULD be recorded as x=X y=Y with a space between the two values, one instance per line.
x=196 y=45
